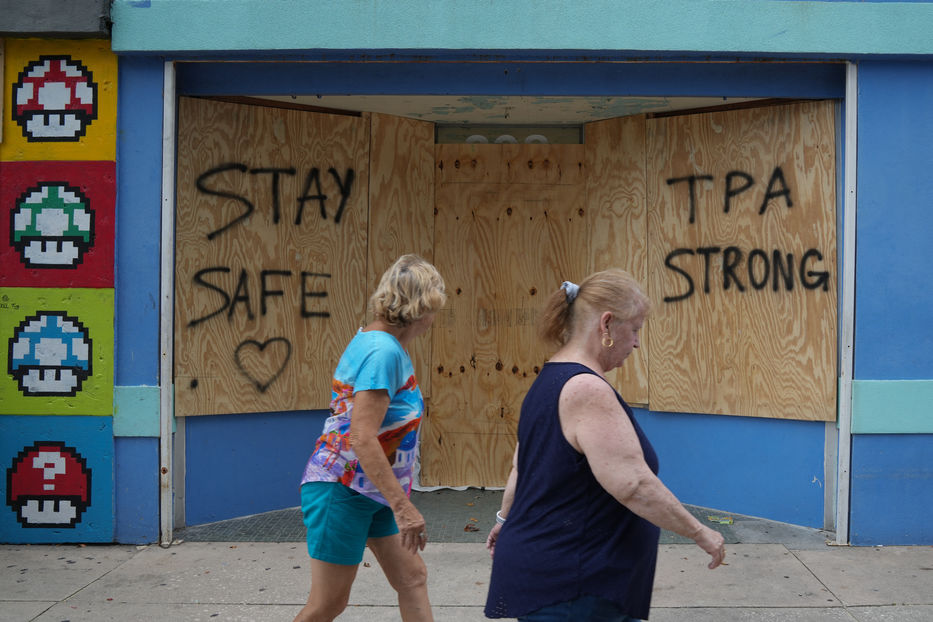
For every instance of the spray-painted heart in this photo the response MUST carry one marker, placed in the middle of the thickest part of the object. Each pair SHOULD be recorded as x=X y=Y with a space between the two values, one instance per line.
x=250 y=359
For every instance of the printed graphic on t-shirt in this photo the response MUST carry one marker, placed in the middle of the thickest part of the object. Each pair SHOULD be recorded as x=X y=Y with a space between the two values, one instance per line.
x=372 y=361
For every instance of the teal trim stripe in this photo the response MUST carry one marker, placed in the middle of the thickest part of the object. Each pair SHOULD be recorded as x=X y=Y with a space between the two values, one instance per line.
x=672 y=26
x=136 y=411
x=892 y=407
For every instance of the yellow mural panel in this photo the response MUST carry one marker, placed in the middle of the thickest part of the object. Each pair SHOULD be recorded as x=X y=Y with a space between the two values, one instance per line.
x=2 y=80
x=60 y=100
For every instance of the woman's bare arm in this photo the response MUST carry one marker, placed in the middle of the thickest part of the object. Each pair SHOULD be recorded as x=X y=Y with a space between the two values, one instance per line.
x=595 y=424
x=369 y=410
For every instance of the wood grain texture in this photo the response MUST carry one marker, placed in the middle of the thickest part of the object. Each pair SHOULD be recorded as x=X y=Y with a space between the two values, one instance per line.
x=248 y=358
x=469 y=163
x=737 y=349
x=616 y=201
x=401 y=208
x=502 y=247
x=505 y=225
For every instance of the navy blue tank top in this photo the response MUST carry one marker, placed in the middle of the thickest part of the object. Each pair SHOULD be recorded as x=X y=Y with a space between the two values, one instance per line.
x=565 y=536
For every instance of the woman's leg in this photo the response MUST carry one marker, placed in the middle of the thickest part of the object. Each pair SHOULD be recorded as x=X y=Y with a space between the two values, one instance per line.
x=330 y=591
x=407 y=574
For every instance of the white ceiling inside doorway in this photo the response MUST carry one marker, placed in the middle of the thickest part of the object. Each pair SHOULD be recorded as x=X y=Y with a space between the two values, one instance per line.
x=505 y=109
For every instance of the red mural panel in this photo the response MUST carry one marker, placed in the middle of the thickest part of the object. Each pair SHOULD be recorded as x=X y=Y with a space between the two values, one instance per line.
x=57 y=224
x=49 y=485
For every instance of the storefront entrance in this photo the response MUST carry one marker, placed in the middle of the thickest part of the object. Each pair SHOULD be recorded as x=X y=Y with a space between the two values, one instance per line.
x=286 y=218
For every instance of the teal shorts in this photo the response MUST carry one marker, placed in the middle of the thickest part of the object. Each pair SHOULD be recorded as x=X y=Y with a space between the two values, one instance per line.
x=340 y=520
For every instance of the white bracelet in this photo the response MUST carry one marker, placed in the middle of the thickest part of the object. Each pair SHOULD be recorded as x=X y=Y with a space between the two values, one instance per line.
x=499 y=518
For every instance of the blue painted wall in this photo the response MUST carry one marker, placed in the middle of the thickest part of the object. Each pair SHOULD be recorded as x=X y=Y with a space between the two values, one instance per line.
x=139 y=192
x=892 y=474
x=136 y=272
x=247 y=463
x=893 y=332
x=892 y=489
x=243 y=464
x=512 y=77
x=759 y=467
x=136 y=490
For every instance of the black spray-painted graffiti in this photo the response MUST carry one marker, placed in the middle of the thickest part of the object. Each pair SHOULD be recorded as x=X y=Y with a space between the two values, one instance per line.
x=757 y=267
x=262 y=383
x=269 y=285
x=312 y=192
x=780 y=269
x=777 y=187
x=242 y=297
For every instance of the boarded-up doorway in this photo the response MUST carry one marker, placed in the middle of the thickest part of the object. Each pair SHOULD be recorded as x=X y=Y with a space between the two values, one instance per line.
x=510 y=226
x=727 y=219
x=267 y=298
x=512 y=223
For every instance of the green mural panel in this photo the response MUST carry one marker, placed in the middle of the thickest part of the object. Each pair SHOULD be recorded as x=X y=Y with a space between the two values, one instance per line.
x=59 y=351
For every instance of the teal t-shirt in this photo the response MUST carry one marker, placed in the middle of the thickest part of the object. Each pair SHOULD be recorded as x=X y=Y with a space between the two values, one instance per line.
x=372 y=360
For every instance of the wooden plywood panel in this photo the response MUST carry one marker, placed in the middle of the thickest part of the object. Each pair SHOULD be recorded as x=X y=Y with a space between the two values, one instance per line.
x=271 y=224
x=742 y=262
x=502 y=249
x=509 y=163
x=616 y=200
x=401 y=208
x=543 y=164
x=469 y=163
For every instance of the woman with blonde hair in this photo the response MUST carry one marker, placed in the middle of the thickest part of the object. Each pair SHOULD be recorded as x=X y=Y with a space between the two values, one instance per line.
x=577 y=535
x=356 y=485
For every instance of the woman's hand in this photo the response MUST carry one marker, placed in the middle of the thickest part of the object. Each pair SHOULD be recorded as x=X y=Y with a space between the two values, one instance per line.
x=369 y=409
x=491 y=539
x=411 y=526
x=713 y=543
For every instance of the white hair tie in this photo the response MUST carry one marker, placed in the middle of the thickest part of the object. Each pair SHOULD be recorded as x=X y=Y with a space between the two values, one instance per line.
x=570 y=291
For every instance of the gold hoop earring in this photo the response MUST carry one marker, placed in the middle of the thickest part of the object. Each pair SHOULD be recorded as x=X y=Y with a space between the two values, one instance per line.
x=607 y=341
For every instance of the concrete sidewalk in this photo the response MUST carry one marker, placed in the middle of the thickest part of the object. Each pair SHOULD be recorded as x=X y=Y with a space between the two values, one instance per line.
x=206 y=581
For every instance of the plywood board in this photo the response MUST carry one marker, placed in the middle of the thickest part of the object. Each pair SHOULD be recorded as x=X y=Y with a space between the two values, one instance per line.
x=616 y=202
x=742 y=256
x=469 y=163
x=502 y=247
x=271 y=258
x=401 y=208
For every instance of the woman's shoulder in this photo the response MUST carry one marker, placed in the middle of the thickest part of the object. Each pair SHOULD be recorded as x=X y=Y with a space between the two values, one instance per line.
x=589 y=382
x=374 y=339
x=370 y=347
x=589 y=390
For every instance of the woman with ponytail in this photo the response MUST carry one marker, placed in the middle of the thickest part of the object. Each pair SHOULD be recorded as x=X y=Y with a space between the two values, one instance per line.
x=577 y=535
